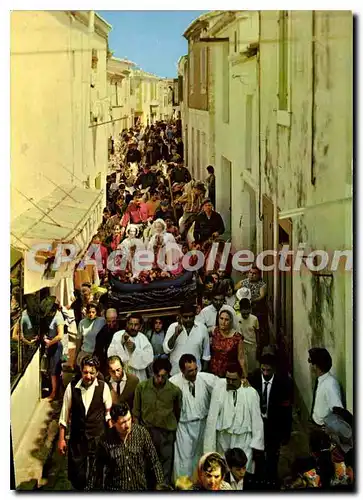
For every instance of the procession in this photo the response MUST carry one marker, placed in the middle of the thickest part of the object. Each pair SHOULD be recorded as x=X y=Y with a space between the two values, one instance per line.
x=165 y=354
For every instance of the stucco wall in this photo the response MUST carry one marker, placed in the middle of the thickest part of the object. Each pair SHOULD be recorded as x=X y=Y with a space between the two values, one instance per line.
x=319 y=304
x=50 y=104
x=24 y=400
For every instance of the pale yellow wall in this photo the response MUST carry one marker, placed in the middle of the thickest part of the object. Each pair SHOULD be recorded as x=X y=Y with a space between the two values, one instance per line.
x=24 y=400
x=286 y=158
x=50 y=104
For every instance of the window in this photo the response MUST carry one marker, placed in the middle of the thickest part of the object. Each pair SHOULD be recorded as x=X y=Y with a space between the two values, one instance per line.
x=203 y=69
x=283 y=60
x=116 y=93
x=180 y=88
x=235 y=42
x=225 y=83
x=94 y=60
x=191 y=72
x=145 y=90
x=132 y=86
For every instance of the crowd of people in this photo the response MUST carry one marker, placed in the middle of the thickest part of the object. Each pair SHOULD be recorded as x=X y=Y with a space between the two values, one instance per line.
x=199 y=402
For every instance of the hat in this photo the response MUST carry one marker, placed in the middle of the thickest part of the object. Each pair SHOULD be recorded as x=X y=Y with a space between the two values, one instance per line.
x=340 y=431
x=243 y=293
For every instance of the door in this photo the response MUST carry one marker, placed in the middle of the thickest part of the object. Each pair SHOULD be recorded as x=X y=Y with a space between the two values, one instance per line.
x=284 y=311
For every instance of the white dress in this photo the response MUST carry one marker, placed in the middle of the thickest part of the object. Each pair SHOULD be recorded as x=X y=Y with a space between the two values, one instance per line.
x=230 y=426
x=136 y=362
x=190 y=432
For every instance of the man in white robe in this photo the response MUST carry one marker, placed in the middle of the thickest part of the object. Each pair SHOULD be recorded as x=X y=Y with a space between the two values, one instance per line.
x=197 y=389
x=234 y=419
x=133 y=348
x=208 y=315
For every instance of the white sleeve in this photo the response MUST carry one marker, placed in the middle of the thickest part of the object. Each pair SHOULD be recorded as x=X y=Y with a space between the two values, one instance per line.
x=210 y=434
x=107 y=400
x=257 y=424
x=66 y=407
x=116 y=348
x=206 y=345
x=333 y=395
x=143 y=356
x=170 y=332
x=201 y=318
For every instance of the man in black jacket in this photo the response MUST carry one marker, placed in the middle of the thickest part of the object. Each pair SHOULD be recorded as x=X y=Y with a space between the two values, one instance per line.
x=133 y=154
x=147 y=178
x=208 y=223
x=275 y=391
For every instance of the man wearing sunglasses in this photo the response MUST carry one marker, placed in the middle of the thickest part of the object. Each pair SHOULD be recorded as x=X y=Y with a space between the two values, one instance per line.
x=86 y=406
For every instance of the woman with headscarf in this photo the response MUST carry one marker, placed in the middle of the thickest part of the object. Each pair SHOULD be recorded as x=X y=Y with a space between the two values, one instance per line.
x=226 y=346
x=212 y=469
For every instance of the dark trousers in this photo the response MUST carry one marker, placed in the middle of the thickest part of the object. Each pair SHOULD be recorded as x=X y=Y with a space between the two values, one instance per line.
x=164 y=443
x=81 y=457
x=267 y=465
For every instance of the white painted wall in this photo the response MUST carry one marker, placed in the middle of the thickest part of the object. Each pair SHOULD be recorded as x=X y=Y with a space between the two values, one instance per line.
x=24 y=400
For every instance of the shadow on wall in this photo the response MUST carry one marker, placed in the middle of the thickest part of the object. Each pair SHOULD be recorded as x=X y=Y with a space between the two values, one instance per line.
x=44 y=451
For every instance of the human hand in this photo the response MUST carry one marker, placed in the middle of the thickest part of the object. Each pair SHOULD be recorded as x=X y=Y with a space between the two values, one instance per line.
x=62 y=446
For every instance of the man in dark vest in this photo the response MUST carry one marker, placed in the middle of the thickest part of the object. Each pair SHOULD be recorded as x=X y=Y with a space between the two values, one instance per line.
x=86 y=406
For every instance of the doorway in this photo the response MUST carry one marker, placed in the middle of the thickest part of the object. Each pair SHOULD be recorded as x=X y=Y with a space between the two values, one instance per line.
x=224 y=195
x=285 y=300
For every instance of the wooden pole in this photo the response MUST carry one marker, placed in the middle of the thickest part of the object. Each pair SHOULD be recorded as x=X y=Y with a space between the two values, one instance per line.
x=172 y=198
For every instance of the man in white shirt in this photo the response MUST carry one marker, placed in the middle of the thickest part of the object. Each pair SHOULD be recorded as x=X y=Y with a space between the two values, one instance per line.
x=208 y=315
x=236 y=460
x=132 y=347
x=197 y=389
x=187 y=337
x=234 y=419
x=327 y=392
x=86 y=405
x=88 y=329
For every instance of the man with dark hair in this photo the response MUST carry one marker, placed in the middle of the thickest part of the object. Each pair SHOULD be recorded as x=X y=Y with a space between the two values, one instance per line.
x=164 y=211
x=157 y=406
x=236 y=460
x=208 y=224
x=275 y=391
x=86 y=406
x=197 y=389
x=234 y=418
x=133 y=154
x=211 y=184
x=132 y=347
x=327 y=392
x=180 y=174
x=124 y=456
x=147 y=179
x=186 y=336
x=121 y=384
x=209 y=314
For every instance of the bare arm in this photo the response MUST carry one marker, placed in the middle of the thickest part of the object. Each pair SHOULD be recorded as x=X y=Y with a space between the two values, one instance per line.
x=58 y=337
x=242 y=358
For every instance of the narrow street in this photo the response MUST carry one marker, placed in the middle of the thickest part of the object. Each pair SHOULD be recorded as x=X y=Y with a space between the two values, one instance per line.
x=181 y=250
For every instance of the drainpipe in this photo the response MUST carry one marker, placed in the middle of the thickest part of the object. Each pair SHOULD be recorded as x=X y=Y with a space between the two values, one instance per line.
x=276 y=259
x=260 y=215
x=313 y=176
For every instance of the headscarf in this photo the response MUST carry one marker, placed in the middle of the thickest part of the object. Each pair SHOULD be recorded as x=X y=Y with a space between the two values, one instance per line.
x=200 y=470
x=153 y=227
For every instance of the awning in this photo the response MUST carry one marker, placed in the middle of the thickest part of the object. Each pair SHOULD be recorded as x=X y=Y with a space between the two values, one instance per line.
x=69 y=214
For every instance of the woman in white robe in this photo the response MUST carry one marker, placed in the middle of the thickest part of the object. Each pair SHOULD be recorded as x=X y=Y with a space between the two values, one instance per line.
x=234 y=425
x=188 y=446
x=159 y=237
x=130 y=245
